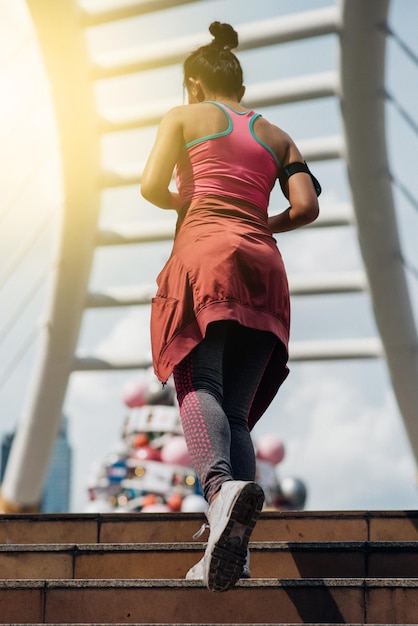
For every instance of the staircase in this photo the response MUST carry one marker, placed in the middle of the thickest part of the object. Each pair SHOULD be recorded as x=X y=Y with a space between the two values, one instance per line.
x=307 y=567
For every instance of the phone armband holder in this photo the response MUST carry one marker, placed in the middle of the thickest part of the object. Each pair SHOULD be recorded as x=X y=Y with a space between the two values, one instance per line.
x=293 y=168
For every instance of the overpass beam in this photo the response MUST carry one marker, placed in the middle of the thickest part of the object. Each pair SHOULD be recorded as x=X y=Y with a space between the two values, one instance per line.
x=66 y=59
x=362 y=72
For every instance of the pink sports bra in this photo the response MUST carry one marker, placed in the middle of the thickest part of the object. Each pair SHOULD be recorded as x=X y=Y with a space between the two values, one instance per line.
x=234 y=163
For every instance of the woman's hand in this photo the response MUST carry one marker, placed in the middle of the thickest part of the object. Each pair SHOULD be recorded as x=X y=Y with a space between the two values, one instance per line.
x=300 y=191
x=303 y=209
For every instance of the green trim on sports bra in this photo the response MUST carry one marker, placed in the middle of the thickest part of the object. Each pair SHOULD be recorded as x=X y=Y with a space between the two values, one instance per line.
x=252 y=120
x=214 y=136
x=221 y=105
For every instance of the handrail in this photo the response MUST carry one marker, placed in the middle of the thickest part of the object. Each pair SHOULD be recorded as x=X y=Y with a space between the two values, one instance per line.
x=271 y=93
x=335 y=349
x=95 y=14
x=255 y=35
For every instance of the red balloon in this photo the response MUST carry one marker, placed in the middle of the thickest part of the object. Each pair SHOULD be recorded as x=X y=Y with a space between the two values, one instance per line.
x=141 y=439
x=175 y=502
x=156 y=508
x=147 y=453
x=149 y=499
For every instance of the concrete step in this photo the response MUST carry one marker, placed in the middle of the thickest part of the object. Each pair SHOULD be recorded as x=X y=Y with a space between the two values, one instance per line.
x=289 y=526
x=154 y=561
x=307 y=567
x=256 y=601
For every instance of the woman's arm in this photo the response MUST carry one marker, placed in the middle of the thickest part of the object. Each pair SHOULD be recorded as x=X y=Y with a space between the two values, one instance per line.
x=300 y=191
x=159 y=168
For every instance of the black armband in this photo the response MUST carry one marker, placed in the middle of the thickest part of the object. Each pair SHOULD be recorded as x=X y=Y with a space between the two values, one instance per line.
x=293 y=168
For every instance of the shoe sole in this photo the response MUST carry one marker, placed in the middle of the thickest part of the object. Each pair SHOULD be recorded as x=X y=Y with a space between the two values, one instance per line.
x=230 y=551
x=196 y=572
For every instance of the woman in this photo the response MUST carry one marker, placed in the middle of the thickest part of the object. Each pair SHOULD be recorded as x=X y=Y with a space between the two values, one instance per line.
x=220 y=318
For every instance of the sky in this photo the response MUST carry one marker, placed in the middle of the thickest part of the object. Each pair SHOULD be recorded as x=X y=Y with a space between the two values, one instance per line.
x=341 y=427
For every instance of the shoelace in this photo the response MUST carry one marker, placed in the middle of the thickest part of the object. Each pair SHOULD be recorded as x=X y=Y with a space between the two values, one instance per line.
x=201 y=530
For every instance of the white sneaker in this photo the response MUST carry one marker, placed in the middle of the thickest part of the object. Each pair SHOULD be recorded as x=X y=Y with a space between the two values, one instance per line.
x=196 y=572
x=232 y=518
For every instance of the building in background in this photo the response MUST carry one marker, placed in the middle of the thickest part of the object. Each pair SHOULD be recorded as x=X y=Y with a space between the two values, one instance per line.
x=56 y=495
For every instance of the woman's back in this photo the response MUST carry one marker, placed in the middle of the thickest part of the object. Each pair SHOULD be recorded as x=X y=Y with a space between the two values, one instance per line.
x=205 y=119
x=223 y=156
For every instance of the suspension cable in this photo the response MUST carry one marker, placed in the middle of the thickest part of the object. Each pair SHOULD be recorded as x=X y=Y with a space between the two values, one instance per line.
x=18 y=355
x=405 y=191
x=26 y=182
x=413 y=125
x=22 y=305
x=412 y=269
x=402 y=45
x=402 y=112
x=7 y=271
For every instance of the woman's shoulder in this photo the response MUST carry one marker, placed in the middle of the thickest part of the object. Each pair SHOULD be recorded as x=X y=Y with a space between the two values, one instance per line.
x=272 y=129
x=175 y=113
x=183 y=113
x=192 y=110
x=194 y=120
x=274 y=136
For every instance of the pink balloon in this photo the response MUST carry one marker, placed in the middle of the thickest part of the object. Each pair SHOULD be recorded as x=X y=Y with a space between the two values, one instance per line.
x=270 y=448
x=134 y=393
x=175 y=451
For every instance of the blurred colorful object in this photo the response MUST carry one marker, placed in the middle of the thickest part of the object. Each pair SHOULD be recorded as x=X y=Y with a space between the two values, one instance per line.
x=150 y=471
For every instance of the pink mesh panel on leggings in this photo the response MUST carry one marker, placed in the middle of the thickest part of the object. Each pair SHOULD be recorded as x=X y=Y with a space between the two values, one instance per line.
x=196 y=407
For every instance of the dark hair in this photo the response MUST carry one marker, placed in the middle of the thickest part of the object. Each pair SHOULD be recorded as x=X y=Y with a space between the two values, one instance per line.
x=214 y=63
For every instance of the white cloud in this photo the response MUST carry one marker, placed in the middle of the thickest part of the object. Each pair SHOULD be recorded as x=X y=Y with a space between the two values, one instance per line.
x=129 y=338
x=349 y=453
x=96 y=413
x=307 y=251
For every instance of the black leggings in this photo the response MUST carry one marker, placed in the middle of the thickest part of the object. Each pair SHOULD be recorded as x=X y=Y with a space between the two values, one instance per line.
x=216 y=384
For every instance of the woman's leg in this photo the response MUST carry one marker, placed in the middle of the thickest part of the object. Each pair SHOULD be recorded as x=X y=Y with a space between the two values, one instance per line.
x=246 y=356
x=199 y=387
x=208 y=381
x=215 y=385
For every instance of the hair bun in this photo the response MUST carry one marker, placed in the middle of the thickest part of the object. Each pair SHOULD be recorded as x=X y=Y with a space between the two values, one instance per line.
x=224 y=35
